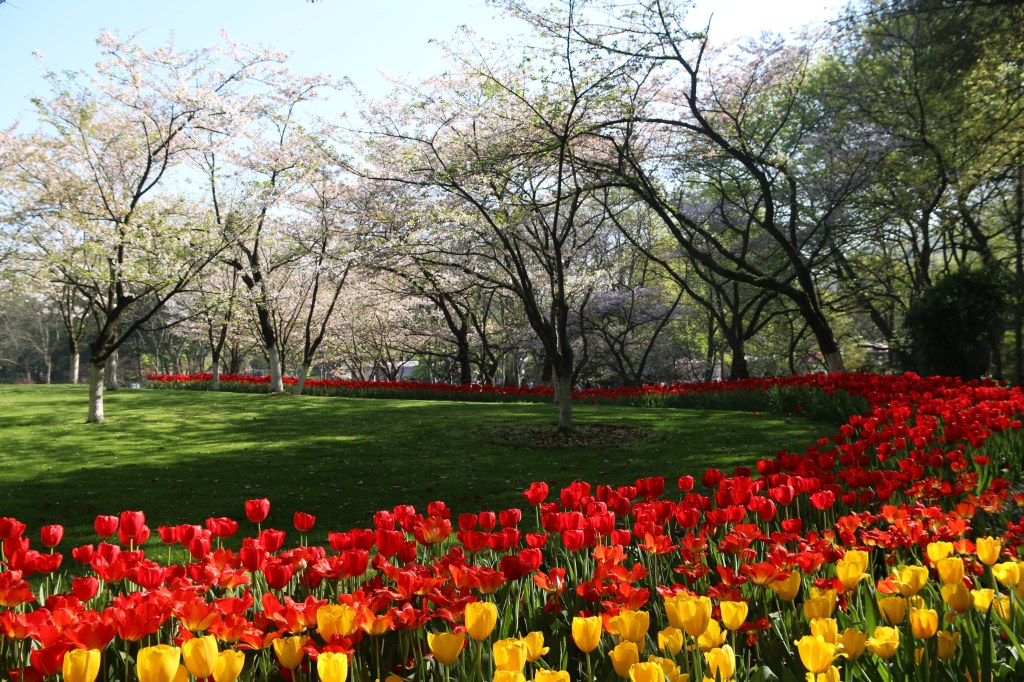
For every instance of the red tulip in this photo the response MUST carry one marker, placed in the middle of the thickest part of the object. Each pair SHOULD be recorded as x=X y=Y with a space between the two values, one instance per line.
x=467 y=521
x=823 y=499
x=85 y=587
x=510 y=517
x=222 y=527
x=271 y=540
x=51 y=535
x=132 y=523
x=536 y=493
x=256 y=510
x=105 y=526
x=303 y=521
x=488 y=520
x=169 y=535
x=135 y=539
x=10 y=528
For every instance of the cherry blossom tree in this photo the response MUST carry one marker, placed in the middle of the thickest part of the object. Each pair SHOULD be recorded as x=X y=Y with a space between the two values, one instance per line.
x=252 y=180
x=498 y=148
x=99 y=180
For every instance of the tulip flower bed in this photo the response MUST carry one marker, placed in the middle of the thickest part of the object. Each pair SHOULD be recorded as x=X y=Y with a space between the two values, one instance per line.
x=818 y=396
x=887 y=552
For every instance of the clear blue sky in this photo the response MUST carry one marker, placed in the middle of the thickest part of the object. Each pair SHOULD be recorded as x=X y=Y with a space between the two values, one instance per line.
x=354 y=38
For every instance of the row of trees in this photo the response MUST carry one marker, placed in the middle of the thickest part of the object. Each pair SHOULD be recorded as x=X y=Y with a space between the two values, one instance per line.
x=618 y=201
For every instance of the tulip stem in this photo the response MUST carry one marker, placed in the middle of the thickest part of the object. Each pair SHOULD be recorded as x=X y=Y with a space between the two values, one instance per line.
x=590 y=669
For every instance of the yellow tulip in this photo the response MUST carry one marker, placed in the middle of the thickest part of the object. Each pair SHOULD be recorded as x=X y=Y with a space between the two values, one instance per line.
x=938 y=550
x=894 y=609
x=957 y=597
x=551 y=676
x=669 y=669
x=951 y=570
x=924 y=622
x=535 y=648
x=947 y=643
x=481 y=617
x=816 y=654
x=508 y=676
x=982 y=598
x=1004 y=607
x=332 y=666
x=911 y=579
x=181 y=675
x=826 y=628
x=289 y=650
x=788 y=588
x=851 y=568
x=688 y=613
x=830 y=675
x=1007 y=573
x=820 y=604
x=158 y=663
x=712 y=637
x=630 y=625
x=200 y=654
x=988 y=549
x=734 y=614
x=884 y=643
x=853 y=642
x=335 y=619
x=646 y=672
x=510 y=654
x=586 y=632
x=671 y=640
x=229 y=666
x=721 y=662
x=446 y=646
x=624 y=656
x=81 y=665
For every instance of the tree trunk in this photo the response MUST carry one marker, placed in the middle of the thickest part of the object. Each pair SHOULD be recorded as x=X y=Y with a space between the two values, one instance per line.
x=215 y=371
x=95 y=392
x=465 y=364
x=110 y=373
x=826 y=340
x=738 y=368
x=73 y=349
x=547 y=371
x=49 y=370
x=563 y=397
x=276 y=378
x=303 y=373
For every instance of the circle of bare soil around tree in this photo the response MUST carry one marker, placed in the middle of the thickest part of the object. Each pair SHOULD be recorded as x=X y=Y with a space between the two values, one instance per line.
x=582 y=436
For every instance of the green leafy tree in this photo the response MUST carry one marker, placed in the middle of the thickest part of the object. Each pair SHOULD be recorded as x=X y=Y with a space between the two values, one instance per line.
x=956 y=325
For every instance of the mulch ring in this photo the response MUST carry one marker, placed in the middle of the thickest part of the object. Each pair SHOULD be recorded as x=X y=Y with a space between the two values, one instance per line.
x=582 y=436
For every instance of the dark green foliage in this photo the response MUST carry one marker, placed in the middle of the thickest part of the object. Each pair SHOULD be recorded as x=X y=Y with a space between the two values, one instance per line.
x=956 y=325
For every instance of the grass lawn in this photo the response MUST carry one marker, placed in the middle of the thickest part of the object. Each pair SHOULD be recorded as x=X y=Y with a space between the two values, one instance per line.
x=184 y=456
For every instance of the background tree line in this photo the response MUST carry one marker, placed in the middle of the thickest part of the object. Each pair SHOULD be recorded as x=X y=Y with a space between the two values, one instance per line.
x=617 y=202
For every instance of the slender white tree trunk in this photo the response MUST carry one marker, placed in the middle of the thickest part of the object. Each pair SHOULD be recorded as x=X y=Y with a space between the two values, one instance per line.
x=276 y=379
x=75 y=367
x=303 y=373
x=110 y=373
x=49 y=370
x=95 y=393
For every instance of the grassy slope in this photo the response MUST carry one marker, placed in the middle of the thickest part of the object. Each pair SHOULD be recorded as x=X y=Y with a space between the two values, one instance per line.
x=184 y=456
